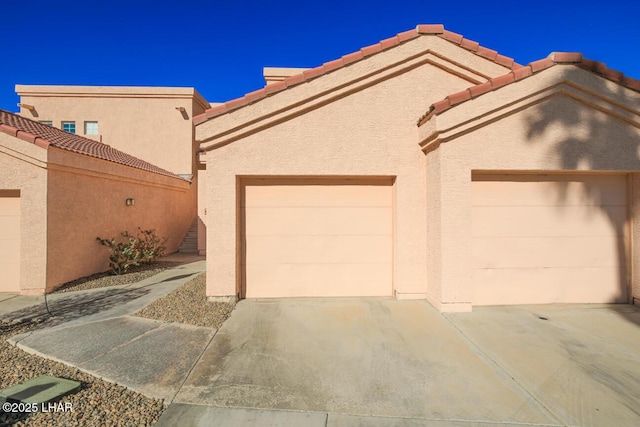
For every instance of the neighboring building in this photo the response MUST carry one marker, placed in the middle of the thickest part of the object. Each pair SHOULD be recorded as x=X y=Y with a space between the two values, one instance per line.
x=427 y=166
x=59 y=191
x=151 y=123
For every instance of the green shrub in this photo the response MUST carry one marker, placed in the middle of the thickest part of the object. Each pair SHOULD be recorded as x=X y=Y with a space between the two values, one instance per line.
x=145 y=246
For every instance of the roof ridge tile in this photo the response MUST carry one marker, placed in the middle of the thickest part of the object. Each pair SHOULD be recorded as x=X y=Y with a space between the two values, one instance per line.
x=522 y=72
x=436 y=30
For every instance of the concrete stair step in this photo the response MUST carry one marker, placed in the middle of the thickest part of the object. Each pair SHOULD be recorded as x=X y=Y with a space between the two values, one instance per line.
x=190 y=242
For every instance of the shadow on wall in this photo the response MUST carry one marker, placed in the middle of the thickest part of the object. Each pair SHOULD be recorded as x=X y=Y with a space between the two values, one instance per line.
x=585 y=138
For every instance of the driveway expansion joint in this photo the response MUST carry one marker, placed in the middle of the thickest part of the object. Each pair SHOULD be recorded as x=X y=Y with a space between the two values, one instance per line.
x=186 y=377
x=502 y=371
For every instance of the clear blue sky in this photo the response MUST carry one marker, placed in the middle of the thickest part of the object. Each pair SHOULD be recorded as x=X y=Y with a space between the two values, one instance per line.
x=220 y=47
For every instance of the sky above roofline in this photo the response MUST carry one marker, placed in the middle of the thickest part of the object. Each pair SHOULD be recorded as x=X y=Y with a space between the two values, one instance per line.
x=220 y=47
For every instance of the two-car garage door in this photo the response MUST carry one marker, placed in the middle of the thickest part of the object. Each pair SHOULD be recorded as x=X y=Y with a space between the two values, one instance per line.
x=549 y=238
x=316 y=237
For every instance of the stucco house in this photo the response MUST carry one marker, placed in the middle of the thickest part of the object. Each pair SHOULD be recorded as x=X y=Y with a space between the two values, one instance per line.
x=427 y=166
x=59 y=191
x=151 y=123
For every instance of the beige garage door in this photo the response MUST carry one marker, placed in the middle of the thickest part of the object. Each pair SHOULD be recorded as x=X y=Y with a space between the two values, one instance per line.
x=546 y=239
x=317 y=237
x=9 y=241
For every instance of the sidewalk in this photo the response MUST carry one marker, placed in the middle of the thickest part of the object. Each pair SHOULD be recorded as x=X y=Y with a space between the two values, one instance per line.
x=95 y=331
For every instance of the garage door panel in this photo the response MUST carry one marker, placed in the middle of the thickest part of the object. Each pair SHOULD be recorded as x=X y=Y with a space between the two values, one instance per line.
x=548 y=221
x=318 y=195
x=597 y=190
x=318 y=221
x=9 y=254
x=549 y=238
x=318 y=249
x=9 y=206
x=317 y=237
x=268 y=281
x=9 y=242
x=531 y=252
x=550 y=285
x=10 y=226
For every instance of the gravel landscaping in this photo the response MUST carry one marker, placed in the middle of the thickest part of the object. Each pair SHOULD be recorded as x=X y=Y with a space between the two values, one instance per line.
x=100 y=403
x=188 y=304
x=104 y=279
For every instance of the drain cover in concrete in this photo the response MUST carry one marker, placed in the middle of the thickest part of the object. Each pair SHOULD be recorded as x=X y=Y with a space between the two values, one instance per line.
x=39 y=390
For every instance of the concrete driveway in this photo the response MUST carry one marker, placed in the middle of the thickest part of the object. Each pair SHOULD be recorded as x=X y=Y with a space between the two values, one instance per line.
x=348 y=358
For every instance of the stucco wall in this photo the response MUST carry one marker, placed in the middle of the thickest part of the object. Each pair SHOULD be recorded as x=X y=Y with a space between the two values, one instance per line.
x=634 y=257
x=142 y=122
x=362 y=132
x=86 y=199
x=22 y=167
x=559 y=133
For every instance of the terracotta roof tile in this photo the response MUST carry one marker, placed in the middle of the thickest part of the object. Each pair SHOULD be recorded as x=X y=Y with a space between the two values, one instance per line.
x=522 y=73
x=541 y=64
x=333 y=65
x=374 y=48
x=45 y=135
x=352 y=57
x=257 y=94
x=572 y=58
x=487 y=53
x=313 y=73
x=469 y=44
x=504 y=60
x=407 y=35
x=500 y=81
x=459 y=97
x=478 y=90
x=565 y=57
x=441 y=106
x=390 y=42
x=268 y=89
x=430 y=30
x=452 y=37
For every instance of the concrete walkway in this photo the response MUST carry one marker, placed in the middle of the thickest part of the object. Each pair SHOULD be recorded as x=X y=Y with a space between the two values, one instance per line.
x=95 y=331
x=357 y=362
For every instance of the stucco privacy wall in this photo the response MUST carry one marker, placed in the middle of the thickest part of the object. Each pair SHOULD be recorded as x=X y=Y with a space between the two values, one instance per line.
x=86 y=199
x=356 y=121
x=142 y=121
x=23 y=168
x=563 y=119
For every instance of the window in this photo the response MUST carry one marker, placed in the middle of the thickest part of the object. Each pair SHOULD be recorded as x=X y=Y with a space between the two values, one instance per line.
x=69 y=127
x=46 y=122
x=90 y=128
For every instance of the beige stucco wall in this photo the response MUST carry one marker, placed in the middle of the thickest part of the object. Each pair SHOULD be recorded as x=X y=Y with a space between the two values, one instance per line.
x=86 y=199
x=141 y=121
x=589 y=124
x=634 y=256
x=366 y=128
x=22 y=167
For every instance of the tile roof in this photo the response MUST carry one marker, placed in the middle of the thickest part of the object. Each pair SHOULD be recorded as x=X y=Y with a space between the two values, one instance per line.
x=572 y=58
x=425 y=29
x=44 y=135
